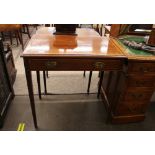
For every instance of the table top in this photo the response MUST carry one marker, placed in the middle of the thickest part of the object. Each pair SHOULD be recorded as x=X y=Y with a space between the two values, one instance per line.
x=87 y=43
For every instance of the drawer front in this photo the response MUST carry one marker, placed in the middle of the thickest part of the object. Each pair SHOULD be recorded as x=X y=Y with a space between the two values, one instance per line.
x=135 y=95
x=140 y=81
x=75 y=64
x=141 y=68
x=131 y=108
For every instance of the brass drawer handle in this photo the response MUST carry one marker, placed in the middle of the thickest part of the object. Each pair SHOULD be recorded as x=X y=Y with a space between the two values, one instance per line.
x=137 y=96
x=99 y=65
x=51 y=64
x=144 y=70
x=140 y=83
x=133 y=109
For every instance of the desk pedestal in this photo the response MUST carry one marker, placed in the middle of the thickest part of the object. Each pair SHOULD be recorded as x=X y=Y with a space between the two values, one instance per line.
x=129 y=91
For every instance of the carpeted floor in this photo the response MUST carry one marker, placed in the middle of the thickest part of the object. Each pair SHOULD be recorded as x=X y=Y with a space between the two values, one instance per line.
x=69 y=113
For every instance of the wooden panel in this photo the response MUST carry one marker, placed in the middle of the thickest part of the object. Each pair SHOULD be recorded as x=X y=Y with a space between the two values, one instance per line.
x=115 y=30
x=75 y=64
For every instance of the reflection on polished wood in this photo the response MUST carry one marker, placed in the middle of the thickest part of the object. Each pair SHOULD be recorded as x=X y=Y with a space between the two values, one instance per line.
x=88 y=42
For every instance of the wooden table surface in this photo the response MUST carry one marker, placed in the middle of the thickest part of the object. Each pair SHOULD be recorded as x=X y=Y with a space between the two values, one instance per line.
x=87 y=43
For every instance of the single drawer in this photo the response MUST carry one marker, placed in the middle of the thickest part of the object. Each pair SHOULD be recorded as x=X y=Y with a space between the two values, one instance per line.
x=141 y=81
x=139 y=95
x=67 y=64
x=142 y=68
x=130 y=108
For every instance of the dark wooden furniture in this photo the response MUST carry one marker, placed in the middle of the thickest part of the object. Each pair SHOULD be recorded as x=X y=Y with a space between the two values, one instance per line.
x=6 y=90
x=114 y=30
x=12 y=28
x=151 y=40
x=25 y=28
x=10 y=63
x=92 y=53
x=65 y=29
x=128 y=92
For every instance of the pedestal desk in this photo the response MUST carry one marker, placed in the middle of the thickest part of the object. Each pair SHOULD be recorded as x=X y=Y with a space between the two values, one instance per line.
x=90 y=52
x=128 y=93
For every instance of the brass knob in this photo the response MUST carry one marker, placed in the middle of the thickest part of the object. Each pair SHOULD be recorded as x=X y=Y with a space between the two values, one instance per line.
x=51 y=64
x=99 y=65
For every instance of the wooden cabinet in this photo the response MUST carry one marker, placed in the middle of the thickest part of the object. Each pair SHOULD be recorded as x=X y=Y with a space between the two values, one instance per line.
x=129 y=92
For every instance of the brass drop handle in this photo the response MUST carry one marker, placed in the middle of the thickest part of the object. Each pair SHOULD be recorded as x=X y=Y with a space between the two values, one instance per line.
x=131 y=109
x=137 y=96
x=51 y=64
x=99 y=65
x=144 y=70
x=140 y=83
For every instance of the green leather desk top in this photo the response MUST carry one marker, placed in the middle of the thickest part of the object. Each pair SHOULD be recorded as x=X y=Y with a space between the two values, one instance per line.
x=132 y=51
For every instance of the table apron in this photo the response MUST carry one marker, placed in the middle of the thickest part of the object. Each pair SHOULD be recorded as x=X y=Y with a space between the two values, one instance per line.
x=75 y=64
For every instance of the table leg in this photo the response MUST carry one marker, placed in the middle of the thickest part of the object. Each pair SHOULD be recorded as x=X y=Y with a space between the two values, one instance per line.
x=47 y=74
x=30 y=91
x=38 y=82
x=84 y=74
x=100 y=83
x=45 y=86
x=90 y=75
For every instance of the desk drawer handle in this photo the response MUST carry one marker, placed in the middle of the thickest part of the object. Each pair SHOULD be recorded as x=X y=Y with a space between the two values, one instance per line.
x=99 y=65
x=51 y=64
x=140 y=83
x=144 y=70
x=137 y=96
x=133 y=109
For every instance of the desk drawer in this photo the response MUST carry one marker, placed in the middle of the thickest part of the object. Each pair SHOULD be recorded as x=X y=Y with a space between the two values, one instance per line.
x=75 y=64
x=136 y=94
x=141 y=81
x=131 y=108
x=141 y=67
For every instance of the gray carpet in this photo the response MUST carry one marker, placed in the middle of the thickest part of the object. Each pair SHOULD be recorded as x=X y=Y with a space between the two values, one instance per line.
x=69 y=113
x=59 y=83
